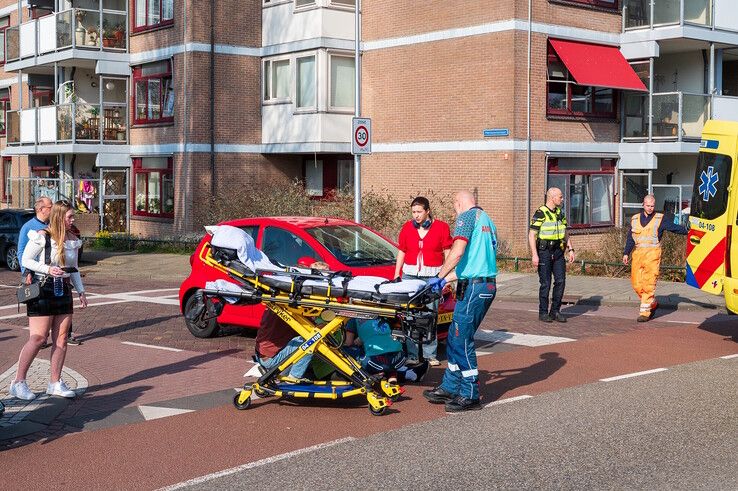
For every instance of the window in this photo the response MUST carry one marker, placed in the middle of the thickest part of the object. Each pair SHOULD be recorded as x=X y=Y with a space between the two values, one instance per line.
x=4 y=24
x=153 y=187
x=304 y=3
x=608 y=4
x=567 y=98
x=341 y=82
x=153 y=13
x=41 y=96
x=345 y=176
x=588 y=187
x=7 y=184
x=285 y=247
x=306 y=82
x=314 y=177
x=154 y=93
x=344 y=3
x=328 y=176
x=715 y=169
x=277 y=80
x=4 y=107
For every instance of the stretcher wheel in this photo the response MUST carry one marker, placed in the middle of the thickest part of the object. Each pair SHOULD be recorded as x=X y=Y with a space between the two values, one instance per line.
x=378 y=412
x=241 y=405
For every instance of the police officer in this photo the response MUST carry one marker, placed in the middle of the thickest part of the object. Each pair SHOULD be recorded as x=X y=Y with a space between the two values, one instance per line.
x=474 y=255
x=549 y=244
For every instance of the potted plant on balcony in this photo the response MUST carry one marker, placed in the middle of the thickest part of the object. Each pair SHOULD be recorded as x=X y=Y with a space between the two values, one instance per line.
x=108 y=36
x=119 y=31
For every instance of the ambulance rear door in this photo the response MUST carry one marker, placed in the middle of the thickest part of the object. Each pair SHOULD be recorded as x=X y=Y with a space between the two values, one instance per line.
x=712 y=213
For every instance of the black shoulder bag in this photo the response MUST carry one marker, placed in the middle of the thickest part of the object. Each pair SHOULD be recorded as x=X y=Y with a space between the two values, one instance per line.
x=32 y=291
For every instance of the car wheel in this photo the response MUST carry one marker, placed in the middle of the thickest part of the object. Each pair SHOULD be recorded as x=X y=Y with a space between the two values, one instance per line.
x=11 y=258
x=199 y=327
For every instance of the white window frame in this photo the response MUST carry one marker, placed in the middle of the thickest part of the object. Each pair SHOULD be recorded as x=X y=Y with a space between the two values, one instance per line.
x=329 y=83
x=266 y=67
x=314 y=107
x=312 y=5
x=339 y=5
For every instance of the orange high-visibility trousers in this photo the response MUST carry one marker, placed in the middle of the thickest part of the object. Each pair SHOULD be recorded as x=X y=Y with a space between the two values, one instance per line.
x=644 y=272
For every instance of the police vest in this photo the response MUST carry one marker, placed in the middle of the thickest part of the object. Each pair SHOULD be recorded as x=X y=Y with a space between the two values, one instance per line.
x=552 y=228
x=647 y=236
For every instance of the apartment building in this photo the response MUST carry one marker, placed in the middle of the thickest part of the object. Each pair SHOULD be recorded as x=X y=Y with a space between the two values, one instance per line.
x=618 y=95
x=142 y=110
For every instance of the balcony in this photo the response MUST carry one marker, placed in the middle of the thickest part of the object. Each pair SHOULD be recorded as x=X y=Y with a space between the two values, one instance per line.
x=676 y=116
x=71 y=29
x=639 y=14
x=69 y=123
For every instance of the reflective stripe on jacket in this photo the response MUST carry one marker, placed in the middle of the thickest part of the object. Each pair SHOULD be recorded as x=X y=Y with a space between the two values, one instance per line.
x=553 y=226
x=647 y=236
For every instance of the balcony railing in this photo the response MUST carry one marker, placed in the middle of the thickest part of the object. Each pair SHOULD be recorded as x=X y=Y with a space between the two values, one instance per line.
x=652 y=13
x=675 y=116
x=73 y=28
x=69 y=123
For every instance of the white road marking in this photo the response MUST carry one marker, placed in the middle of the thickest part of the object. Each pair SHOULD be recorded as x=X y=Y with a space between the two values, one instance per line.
x=253 y=372
x=258 y=463
x=154 y=412
x=519 y=339
x=509 y=399
x=165 y=348
x=681 y=322
x=729 y=357
x=635 y=374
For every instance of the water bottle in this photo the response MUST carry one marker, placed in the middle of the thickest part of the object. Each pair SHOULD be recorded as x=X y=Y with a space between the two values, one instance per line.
x=58 y=286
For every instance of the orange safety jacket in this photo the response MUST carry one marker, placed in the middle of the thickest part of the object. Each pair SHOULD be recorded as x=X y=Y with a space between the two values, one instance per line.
x=648 y=236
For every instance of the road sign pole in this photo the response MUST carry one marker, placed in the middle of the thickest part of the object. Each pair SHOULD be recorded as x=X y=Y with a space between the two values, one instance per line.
x=357 y=108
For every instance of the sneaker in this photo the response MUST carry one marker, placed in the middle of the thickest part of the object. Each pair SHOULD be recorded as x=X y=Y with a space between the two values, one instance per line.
x=433 y=362
x=60 y=389
x=545 y=318
x=439 y=395
x=73 y=341
x=462 y=404
x=644 y=318
x=558 y=317
x=21 y=391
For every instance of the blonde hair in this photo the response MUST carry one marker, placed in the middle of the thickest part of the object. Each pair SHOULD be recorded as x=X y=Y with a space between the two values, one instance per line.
x=58 y=228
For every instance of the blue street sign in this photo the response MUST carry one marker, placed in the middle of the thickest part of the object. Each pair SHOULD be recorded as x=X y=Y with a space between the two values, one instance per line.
x=496 y=132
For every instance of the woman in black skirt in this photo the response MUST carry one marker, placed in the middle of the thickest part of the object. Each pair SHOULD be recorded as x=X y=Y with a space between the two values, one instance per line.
x=53 y=309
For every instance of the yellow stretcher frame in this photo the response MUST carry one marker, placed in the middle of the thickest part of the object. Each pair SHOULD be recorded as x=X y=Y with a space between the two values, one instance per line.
x=300 y=315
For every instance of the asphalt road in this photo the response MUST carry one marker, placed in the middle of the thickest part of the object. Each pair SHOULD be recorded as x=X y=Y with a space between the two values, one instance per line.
x=675 y=429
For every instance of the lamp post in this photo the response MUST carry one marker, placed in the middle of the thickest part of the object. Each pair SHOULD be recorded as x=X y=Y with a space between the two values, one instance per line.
x=357 y=108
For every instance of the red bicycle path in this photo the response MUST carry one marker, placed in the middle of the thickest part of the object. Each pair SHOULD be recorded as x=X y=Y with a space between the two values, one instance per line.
x=166 y=451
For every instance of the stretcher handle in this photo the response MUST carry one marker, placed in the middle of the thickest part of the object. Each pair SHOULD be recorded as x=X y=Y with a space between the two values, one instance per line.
x=226 y=293
x=419 y=294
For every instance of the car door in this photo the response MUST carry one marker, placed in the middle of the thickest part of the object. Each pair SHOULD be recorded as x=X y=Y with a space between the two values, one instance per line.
x=284 y=247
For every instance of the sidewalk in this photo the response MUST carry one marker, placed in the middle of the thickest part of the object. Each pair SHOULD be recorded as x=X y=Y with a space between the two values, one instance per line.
x=586 y=290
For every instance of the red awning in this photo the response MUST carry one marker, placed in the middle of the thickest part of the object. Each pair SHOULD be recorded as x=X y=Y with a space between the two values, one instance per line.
x=597 y=65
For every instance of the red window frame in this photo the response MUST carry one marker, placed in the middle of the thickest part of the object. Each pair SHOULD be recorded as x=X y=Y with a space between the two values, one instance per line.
x=6 y=197
x=163 y=78
x=596 y=3
x=38 y=92
x=552 y=57
x=4 y=106
x=138 y=169
x=3 y=28
x=148 y=27
x=607 y=167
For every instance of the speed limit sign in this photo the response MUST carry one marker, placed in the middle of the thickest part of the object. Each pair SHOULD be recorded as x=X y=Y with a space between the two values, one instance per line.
x=361 y=136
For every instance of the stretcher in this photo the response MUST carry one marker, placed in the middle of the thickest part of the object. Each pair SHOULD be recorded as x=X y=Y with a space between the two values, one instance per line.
x=316 y=305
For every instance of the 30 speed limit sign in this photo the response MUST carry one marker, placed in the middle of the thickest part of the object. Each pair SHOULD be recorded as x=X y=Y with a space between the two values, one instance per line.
x=361 y=136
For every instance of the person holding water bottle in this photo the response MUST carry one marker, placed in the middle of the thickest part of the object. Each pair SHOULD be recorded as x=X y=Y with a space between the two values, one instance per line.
x=52 y=255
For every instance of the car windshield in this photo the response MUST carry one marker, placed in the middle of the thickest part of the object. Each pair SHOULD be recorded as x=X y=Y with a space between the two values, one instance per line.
x=354 y=245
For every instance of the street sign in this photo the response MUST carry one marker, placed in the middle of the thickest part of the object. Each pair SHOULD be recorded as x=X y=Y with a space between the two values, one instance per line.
x=361 y=136
x=495 y=132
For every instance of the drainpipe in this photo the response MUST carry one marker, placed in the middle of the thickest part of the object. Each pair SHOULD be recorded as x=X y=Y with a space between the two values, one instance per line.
x=212 y=100
x=528 y=170
x=186 y=223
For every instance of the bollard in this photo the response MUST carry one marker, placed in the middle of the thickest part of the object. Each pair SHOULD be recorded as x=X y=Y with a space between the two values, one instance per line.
x=516 y=261
x=583 y=264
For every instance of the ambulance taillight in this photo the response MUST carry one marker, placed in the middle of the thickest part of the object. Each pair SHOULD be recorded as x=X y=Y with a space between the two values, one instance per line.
x=728 y=238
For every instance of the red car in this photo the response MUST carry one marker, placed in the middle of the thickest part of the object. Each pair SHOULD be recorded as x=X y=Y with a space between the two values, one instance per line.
x=292 y=241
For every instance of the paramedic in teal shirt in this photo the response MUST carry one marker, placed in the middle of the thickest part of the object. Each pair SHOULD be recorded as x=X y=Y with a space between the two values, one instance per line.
x=474 y=255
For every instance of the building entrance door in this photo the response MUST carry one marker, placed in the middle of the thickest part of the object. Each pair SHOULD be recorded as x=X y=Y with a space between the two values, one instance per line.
x=634 y=186
x=114 y=200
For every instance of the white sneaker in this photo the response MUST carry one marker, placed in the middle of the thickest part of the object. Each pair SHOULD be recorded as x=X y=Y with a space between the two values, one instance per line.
x=433 y=362
x=21 y=391
x=60 y=389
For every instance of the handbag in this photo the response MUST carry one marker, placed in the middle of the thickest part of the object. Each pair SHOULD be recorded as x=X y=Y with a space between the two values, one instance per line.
x=32 y=291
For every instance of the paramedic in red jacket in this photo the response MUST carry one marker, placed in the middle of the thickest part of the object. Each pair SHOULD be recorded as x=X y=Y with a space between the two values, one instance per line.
x=424 y=243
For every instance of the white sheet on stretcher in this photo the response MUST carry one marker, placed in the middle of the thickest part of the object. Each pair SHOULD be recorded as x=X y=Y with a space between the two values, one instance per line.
x=230 y=237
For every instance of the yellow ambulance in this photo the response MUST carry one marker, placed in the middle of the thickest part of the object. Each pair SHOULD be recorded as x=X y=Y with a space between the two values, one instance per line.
x=712 y=252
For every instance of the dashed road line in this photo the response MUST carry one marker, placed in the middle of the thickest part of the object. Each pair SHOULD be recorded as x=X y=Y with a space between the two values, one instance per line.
x=141 y=345
x=634 y=374
x=729 y=357
x=251 y=465
x=509 y=399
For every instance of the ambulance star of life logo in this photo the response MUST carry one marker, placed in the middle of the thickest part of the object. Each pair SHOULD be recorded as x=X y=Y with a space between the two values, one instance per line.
x=708 y=181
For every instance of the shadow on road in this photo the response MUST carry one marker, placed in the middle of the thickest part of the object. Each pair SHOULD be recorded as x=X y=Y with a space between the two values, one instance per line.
x=722 y=325
x=120 y=328
x=583 y=306
x=494 y=384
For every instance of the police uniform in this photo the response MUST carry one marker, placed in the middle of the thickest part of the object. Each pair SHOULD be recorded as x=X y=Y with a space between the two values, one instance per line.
x=550 y=227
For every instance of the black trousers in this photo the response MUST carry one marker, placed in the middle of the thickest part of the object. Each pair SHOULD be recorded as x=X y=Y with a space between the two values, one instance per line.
x=551 y=263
